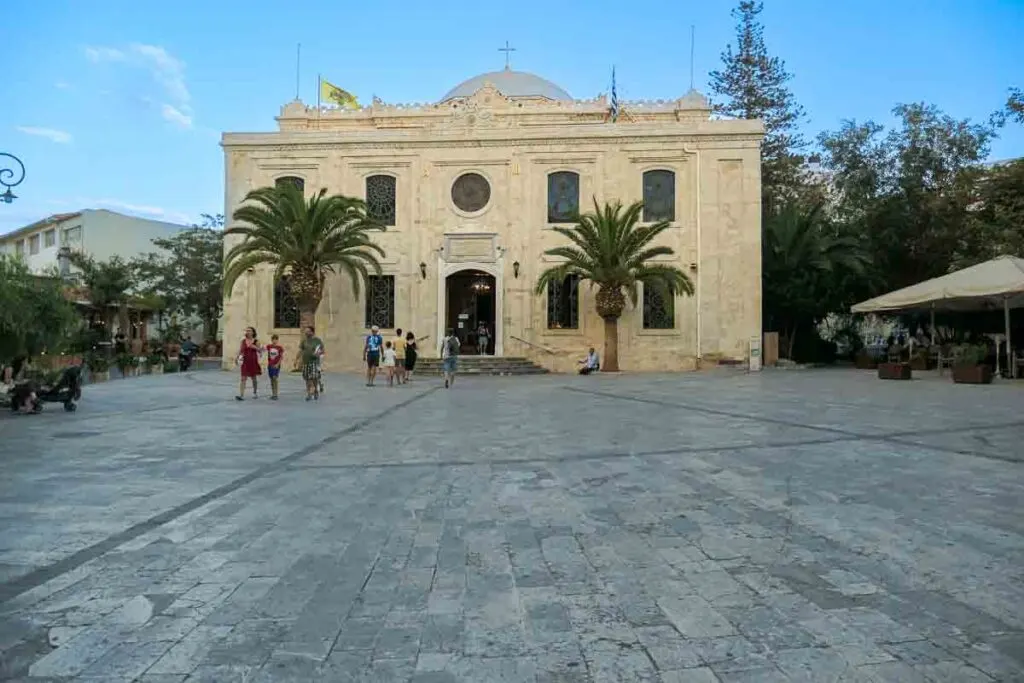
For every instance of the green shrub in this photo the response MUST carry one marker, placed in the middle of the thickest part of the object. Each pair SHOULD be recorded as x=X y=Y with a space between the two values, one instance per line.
x=170 y=367
x=97 y=363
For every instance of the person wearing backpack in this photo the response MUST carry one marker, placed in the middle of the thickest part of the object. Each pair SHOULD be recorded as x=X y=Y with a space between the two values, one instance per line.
x=450 y=357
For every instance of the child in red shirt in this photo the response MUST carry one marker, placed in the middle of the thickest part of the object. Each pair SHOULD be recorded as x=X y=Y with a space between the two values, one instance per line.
x=275 y=354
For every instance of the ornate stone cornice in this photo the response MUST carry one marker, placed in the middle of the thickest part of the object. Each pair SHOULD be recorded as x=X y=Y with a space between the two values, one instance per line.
x=269 y=144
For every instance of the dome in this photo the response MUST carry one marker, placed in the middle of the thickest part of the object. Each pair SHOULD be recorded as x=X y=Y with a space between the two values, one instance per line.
x=510 y=84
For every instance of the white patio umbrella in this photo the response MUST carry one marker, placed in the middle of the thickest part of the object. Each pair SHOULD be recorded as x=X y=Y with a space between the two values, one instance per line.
x=986 y=286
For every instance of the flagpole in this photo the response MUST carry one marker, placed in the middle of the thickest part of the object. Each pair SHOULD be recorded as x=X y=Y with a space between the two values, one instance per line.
x=298 y=66
x=319 y=82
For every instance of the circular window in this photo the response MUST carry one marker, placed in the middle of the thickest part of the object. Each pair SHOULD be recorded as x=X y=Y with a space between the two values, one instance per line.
x=471 y=192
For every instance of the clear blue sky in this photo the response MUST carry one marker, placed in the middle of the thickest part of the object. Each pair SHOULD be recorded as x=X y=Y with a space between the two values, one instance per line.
x=120 y=104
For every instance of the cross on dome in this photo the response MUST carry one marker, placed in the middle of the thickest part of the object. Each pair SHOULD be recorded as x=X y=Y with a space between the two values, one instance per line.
x=508 y=50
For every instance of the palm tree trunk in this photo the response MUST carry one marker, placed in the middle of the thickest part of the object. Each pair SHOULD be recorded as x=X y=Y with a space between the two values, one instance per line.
x=307 y=313
x=611 y=345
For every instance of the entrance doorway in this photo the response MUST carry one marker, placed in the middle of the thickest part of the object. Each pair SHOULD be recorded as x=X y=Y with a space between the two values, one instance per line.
x=470 y=298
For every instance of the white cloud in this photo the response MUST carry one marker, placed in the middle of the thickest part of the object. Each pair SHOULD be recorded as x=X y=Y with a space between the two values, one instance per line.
x=61 y=85
x=176 y=116
x=52 y=134
x=104 y=54
x=166 y=70
x=142 y=209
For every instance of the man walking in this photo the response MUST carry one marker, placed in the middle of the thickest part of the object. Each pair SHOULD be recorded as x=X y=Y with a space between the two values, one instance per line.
x=371 y=354
x=450 y=357
x=399 y=346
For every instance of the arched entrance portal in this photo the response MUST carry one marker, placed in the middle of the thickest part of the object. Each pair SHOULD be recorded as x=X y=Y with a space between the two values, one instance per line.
x=471 y=305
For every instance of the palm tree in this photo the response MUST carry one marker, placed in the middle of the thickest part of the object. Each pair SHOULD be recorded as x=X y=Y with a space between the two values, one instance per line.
x=805 y=265
x=304 y=240
x=613 y=251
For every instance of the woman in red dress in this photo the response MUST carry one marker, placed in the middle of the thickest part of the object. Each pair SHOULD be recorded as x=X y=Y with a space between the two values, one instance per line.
x=249 y=360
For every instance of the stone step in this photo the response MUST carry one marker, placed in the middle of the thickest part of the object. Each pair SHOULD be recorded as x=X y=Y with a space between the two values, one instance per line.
x=483 y=365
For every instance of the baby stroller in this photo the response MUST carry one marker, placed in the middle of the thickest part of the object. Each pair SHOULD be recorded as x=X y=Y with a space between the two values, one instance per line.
x=66 y=389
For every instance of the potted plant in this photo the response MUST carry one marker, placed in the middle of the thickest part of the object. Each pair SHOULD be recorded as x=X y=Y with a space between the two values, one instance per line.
x=126 y=364
x=170 y=367
x=969 y=365
x=99 y=368
x=155 y=361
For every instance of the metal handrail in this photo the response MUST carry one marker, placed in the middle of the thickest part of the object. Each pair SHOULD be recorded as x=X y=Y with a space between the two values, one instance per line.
x=530 y=343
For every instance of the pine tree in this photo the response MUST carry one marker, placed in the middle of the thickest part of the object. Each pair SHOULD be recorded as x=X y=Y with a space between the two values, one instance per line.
x=753 y=85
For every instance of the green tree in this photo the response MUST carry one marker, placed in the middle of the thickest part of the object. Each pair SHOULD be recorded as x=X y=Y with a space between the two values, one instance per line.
x=907 y=194
x=806 y=267
x=613 y=251
x=754 y=85
x=998 y=215
x=305 y=240
x=110 y=285
x=34 y=314
x=187 y=272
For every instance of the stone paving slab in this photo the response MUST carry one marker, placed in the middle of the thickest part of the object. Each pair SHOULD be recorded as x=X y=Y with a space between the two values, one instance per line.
x=787 y=526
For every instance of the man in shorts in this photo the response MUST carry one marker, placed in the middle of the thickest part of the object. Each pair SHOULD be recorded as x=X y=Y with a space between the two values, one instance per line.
x=450 y=357
x=371 y=354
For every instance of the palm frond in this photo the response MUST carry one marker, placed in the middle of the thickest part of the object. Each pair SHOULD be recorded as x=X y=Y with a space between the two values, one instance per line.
x=316 y=236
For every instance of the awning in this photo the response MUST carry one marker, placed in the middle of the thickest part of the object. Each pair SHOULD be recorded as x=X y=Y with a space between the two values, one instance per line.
x=991 y=285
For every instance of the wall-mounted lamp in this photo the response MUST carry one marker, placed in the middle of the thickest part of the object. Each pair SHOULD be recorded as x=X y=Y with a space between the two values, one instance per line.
x=423 y=270
x=515 y=269
x=693 y=267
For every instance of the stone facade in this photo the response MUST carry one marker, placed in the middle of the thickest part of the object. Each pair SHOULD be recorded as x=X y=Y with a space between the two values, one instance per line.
x=515 y=143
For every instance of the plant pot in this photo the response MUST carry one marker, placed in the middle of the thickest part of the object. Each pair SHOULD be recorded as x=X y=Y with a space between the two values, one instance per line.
x=156 y=369
x=972 y=374
x=211 y=351
x=98 y=377
x=894 y=371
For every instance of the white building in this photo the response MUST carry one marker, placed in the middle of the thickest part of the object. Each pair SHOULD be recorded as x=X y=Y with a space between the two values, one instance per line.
x=97 y=232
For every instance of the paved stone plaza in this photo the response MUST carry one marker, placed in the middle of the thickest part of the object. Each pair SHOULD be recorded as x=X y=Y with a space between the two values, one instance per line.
x=789 y=526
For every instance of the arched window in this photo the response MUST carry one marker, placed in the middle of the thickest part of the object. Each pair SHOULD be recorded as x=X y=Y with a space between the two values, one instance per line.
x=298 y=182
x=380 y=198
x=286 y=308
x=563 y=196
x=659 y=196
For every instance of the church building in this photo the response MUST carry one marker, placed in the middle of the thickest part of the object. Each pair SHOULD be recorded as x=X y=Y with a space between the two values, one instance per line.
x=470 y=188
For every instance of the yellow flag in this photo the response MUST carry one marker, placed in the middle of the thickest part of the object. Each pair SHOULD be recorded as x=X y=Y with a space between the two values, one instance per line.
x=335 y=95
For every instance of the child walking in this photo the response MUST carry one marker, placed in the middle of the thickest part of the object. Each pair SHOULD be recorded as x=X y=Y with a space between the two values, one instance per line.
x=275 y=356
x=389 y=362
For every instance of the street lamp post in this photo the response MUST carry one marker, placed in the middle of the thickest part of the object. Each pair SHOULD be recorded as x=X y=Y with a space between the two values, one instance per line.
x=10 y=177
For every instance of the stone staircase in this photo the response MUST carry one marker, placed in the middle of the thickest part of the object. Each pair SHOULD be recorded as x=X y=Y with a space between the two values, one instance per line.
x=482 y=365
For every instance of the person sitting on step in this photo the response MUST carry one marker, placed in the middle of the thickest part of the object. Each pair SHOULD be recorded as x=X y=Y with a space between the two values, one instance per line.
x=591 y=363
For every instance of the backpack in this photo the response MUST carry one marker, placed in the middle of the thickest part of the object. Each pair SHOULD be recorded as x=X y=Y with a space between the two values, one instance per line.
x=451 y=346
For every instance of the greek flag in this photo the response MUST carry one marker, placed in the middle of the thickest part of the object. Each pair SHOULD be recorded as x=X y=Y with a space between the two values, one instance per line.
x=615 y=100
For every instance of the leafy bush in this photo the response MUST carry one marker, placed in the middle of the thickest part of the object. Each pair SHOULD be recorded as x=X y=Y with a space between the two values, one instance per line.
x=34 y=315
x=155 y=358
x=126 y=362
x=97 y=363
x=170 y=367
x=971 y=354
